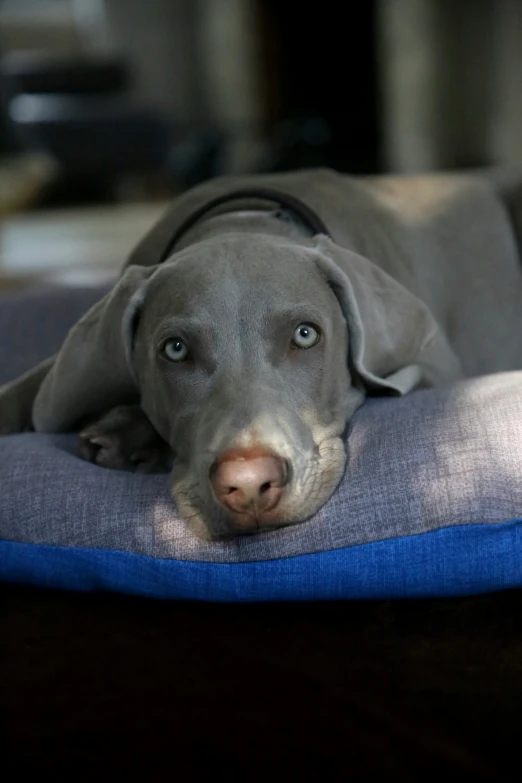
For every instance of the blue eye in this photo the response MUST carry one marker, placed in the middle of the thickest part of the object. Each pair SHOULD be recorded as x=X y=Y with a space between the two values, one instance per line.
x=305 y=336
x=175 y=350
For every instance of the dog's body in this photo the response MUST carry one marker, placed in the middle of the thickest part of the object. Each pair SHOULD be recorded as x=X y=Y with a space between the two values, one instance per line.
x=248 y=345
x=447 y=238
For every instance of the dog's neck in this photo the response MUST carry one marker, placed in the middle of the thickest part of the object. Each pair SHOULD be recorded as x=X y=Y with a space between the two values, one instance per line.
x=275 y=222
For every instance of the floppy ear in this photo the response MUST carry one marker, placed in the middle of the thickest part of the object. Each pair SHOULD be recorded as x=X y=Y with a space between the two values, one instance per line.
x=395 y=342
x=92 y=373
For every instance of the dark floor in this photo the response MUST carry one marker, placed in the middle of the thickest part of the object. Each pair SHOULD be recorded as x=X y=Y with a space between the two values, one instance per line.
x=104 y=686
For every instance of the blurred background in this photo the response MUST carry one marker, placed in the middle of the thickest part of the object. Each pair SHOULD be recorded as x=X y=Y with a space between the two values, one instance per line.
x=109 y=108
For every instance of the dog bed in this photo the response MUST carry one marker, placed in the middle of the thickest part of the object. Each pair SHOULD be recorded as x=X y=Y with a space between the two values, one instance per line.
x=430 y=504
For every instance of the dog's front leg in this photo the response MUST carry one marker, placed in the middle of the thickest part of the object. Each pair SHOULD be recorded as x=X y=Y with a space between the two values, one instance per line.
x=124 y=439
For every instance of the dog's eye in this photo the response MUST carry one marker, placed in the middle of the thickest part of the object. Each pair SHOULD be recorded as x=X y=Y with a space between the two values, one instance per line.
x=305 y=336
x=175 y=350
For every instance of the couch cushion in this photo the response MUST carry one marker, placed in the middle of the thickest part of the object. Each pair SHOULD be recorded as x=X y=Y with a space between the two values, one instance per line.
x=429 y=503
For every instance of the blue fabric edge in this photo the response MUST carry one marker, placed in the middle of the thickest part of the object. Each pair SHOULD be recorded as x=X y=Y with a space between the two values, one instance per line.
x=453 y=561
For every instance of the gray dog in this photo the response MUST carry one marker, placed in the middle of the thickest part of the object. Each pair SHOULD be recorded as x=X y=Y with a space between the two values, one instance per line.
x=259 y=313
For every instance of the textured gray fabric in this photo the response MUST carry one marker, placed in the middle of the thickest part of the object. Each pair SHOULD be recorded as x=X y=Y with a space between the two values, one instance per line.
x=33 y=324
x=433 y=459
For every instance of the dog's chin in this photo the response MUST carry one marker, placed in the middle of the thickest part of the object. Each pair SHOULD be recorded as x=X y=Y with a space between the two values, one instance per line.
x=311 y=488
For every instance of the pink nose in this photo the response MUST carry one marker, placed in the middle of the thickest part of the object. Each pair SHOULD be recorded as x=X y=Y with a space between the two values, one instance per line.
x=249 y=482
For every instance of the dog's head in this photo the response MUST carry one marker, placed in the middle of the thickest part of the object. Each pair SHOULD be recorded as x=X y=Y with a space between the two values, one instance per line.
x=249 y=354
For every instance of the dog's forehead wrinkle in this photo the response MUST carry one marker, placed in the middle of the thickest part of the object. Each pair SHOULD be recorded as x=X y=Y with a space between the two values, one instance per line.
x=237 y=284
x=251 y=258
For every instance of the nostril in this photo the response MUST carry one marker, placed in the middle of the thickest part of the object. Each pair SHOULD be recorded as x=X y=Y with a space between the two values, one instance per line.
x=249 y=480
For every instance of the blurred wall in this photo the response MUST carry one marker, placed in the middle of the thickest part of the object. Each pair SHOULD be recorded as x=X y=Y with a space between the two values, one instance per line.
x=398 y=85
x=159 y=39
x=39 y=24
x=451 y=75
x=196 y=60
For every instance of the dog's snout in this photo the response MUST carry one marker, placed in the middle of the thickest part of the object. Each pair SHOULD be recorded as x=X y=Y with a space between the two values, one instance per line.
x=250 y=483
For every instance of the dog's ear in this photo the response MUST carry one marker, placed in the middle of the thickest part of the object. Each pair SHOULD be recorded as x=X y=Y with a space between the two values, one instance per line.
x=395 y=342
x=92 y=372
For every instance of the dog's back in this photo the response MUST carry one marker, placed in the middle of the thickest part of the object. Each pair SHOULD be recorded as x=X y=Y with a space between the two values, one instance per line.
x=449 y=238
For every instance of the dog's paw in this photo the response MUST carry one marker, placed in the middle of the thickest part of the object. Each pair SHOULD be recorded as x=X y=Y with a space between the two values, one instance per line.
x=124 y=439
